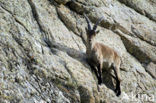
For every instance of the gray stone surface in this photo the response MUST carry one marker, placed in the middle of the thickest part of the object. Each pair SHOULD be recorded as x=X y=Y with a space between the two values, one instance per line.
x=42 y=54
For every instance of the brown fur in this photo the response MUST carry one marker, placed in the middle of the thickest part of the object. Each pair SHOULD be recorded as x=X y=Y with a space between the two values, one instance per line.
x=106 y=56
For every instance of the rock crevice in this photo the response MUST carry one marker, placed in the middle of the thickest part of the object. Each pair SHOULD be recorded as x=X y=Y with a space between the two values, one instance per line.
x=42 y=50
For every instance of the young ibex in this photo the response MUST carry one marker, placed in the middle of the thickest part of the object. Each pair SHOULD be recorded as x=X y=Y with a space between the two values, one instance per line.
x=100 y=55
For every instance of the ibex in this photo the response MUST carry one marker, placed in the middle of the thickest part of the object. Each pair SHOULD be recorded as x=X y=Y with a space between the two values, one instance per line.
x=100 y=55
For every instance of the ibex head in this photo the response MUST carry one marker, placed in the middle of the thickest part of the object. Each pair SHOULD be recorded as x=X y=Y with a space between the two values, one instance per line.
x=91 y=32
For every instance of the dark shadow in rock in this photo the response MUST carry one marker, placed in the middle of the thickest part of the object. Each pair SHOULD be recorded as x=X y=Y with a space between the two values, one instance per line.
x=108 y=79
x=56 y=47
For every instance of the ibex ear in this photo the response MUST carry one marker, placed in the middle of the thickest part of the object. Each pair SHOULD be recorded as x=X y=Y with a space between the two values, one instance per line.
x=97 y=31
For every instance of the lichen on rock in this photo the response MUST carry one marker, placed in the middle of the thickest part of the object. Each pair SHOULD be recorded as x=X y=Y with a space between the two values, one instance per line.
x=42 y=53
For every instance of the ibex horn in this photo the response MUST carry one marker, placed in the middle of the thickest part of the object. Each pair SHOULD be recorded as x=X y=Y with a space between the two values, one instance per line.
x=99 y=20
x=88 y=21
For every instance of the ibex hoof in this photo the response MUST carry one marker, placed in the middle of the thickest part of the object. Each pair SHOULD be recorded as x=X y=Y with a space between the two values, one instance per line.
x=100 y=82
x=118 y=92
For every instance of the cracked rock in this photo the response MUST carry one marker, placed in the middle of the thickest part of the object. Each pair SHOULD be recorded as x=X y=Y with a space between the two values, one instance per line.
x=43 y=52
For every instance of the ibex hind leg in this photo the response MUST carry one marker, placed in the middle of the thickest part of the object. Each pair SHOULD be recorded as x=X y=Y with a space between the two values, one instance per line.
x=118 y=89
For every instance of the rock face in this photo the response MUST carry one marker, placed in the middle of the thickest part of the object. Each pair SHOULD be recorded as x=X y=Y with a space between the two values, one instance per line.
x=42 y=54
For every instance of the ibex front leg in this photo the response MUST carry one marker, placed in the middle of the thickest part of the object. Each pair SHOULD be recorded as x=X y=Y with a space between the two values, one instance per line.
x=94 y=68
x=100 y=67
